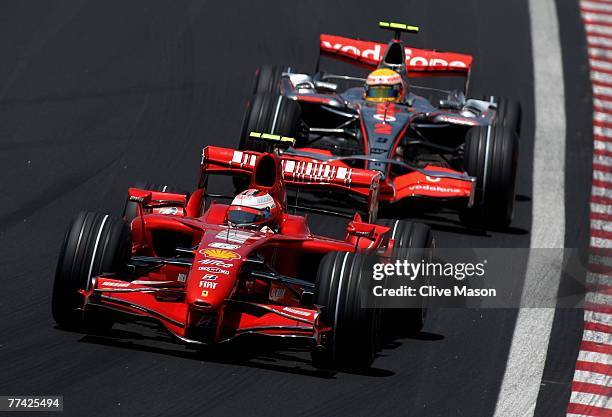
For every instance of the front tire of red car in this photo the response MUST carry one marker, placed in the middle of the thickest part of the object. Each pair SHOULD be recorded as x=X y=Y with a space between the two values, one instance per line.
x=355 y=333
x=94 y=243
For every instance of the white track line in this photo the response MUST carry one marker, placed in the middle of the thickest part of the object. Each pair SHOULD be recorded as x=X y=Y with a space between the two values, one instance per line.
x=598 y=318
x=597 y=18
x=592 y=5
x=603 y=160
x=603 y=131
x=595 y=29
x=601 y=208
x=525 y=365
x=602 y=104
x=602 y=145
x=586 y=398
x=599 y=41
x=596 y=337
x=587 y=356
x=603 y=116
x=601 y=77
x=600 y=379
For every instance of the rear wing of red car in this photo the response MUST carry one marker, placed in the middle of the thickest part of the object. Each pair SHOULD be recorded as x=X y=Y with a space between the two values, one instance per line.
x=300 y=174
x=419 y=62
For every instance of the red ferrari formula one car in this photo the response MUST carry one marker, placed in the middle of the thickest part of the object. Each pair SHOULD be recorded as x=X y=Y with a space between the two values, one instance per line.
x=210 y=272
x=457 y=151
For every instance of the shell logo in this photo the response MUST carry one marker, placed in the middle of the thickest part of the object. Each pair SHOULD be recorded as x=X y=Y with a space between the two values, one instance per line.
x=224 y=254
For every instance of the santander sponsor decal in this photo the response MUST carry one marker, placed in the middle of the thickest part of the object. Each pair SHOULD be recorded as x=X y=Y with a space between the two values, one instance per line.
x=416 y=59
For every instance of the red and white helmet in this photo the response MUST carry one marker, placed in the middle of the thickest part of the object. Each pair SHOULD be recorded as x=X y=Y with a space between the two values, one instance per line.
x=253 y=208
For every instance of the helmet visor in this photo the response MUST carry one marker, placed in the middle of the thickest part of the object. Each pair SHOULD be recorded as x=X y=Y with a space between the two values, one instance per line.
x=383 y=91
x=246 y=217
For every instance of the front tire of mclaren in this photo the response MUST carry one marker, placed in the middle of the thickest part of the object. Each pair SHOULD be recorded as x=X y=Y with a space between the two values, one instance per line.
x=94 y=243
x=266 y=113
x=491 y=155
x=267 y=79
x=355 y=333
x=413 y=242
x=269 y=113
x=509 y=113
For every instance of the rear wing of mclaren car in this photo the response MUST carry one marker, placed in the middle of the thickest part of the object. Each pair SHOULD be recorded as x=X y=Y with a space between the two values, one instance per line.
x=418 y=62
x=330 y=185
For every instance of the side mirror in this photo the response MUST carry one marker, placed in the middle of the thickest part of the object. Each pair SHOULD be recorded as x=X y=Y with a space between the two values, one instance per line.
x=141 y=197
x=324 y=85
x=361 y=230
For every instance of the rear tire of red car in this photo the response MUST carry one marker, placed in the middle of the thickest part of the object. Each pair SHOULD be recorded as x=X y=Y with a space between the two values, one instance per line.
x=491 y=155
x=94 y=243
x=509 y=113
x=130 y=209
x=267 y=79
x=413 y=242
x=356 y=331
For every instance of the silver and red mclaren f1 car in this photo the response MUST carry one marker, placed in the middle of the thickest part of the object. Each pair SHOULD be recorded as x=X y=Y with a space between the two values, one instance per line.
x=178 y=259
x=456 y=151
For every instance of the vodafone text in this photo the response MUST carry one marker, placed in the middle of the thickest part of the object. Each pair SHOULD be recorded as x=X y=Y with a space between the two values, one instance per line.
x=375 y=54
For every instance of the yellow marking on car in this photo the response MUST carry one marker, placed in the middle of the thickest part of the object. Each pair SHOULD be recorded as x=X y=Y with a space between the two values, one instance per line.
x=399 y=26
x=270 y=136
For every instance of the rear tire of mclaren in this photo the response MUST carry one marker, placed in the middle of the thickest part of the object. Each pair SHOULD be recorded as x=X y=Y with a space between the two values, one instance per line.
x=413 y=242
x=491 y=155
x=509 y=113
x=130 y=209
x=94 y=243
x=355 y=337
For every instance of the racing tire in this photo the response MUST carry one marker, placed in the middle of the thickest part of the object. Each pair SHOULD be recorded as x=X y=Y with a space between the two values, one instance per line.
x=355 y=335
x=491 y=155
x=413 y=242
x=509 y=113
x=266 y=113
x=267 y=79
x=130 y=209
x=94 y=243
x=269 y=113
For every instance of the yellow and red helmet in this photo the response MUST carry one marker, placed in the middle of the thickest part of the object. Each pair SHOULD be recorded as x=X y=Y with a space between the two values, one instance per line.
x=384 y=84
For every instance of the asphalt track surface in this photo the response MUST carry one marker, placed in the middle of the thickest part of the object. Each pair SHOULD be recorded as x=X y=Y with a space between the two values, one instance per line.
x=95 y=96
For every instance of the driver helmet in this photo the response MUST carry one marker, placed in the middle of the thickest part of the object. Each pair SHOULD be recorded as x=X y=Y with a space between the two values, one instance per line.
x=384 y=85
x=254 y=209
